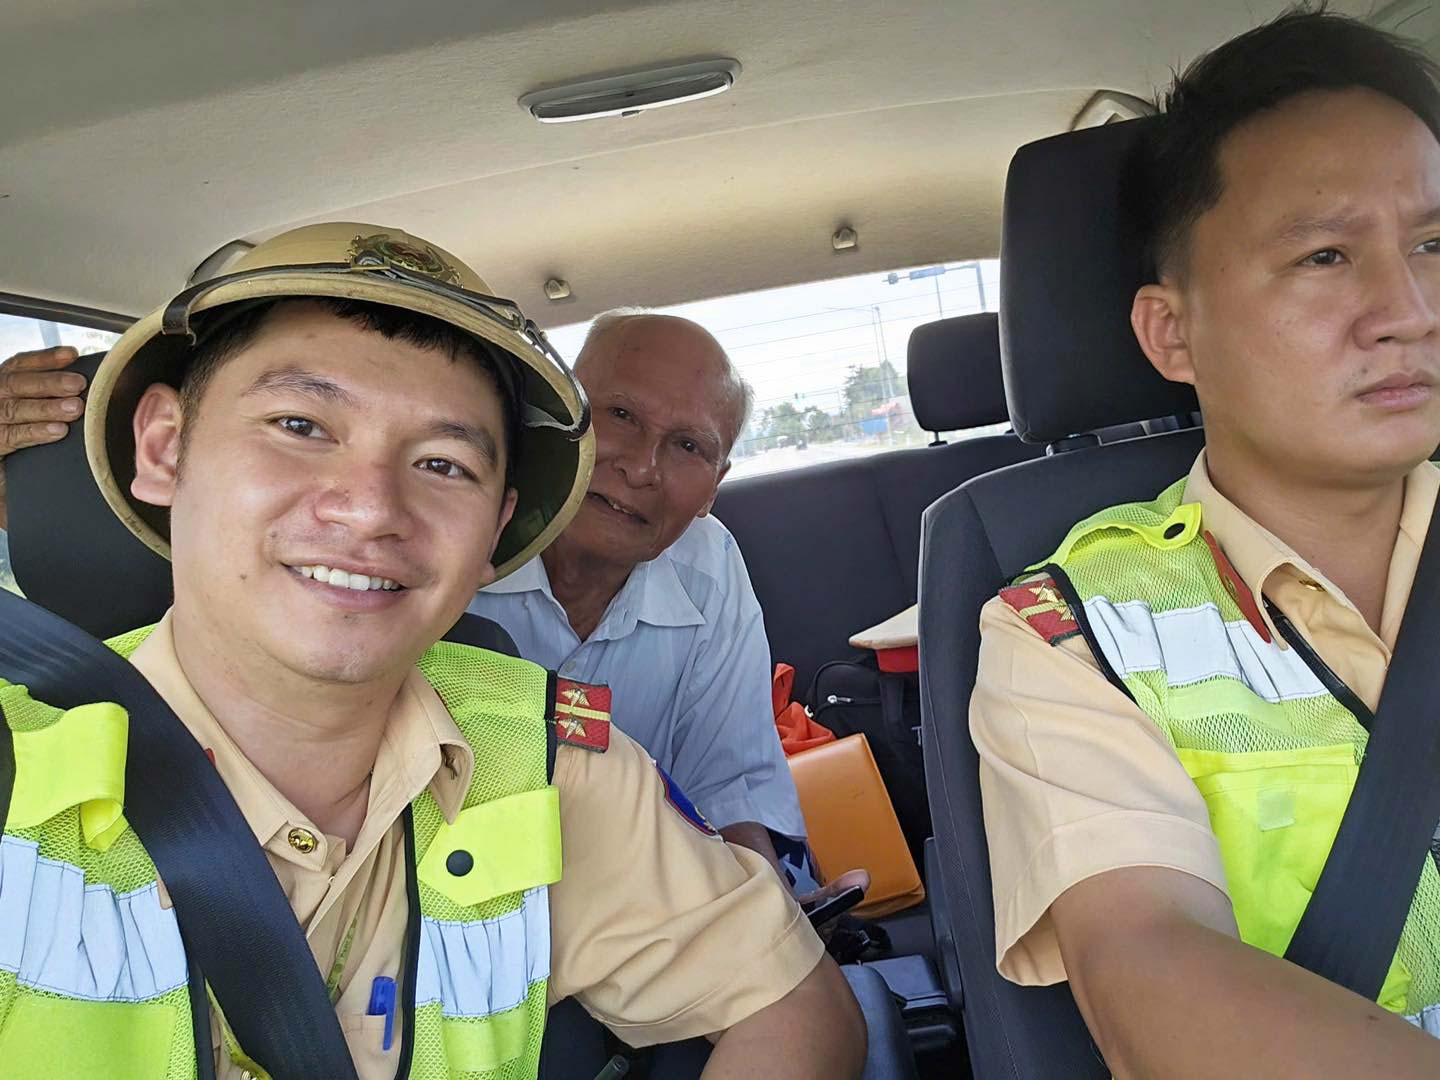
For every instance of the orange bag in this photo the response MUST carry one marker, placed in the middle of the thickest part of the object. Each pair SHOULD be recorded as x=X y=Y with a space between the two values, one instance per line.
x=797 y=731
x=852 y=824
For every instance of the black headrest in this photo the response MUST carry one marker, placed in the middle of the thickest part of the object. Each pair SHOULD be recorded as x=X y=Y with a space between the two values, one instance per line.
x=69 y=551
x=1070 y=263
x=953 y=368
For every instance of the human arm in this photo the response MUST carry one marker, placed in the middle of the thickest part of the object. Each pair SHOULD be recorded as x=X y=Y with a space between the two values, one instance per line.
x=725 y=751
x=816 y=1030
x=664 y=932
x=1089 y=812
x=753 y=835
x=38 y=399
x=1170 y=991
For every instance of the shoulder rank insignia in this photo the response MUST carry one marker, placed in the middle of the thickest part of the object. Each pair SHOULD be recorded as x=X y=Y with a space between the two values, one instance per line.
x=1040 y=604
x=582 y=715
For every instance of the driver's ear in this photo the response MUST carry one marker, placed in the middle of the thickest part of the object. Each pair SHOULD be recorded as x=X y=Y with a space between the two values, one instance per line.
x=1158 y=318
x=158 y=422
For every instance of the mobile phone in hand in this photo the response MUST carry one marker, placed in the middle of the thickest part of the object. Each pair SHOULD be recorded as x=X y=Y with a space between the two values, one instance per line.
x=821 y=913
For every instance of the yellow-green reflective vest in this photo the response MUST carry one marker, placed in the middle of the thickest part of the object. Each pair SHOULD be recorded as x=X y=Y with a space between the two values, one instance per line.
x=93 y=974
x=1274 y=754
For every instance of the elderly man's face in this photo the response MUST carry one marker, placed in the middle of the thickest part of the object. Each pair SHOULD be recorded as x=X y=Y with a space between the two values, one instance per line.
x=662 y=428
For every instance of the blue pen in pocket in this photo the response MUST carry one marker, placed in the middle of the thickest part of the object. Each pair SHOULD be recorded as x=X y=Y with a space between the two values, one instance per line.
x=382 y=1003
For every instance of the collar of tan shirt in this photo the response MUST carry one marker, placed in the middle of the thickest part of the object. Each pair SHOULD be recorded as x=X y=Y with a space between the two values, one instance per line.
x=1266 y=564
x=422 y=746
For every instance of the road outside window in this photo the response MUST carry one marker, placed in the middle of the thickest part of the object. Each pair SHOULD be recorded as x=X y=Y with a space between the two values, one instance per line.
x=827 y=359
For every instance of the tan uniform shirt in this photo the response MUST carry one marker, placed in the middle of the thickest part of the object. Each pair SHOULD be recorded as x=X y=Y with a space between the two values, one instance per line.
x=661 y=932
x=1077 y=780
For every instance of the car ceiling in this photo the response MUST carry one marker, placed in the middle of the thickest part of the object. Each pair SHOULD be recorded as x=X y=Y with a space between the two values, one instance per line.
x=138 y=136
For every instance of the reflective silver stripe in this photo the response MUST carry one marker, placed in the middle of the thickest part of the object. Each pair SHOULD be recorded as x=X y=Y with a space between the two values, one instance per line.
x=1193 y=644
x=83 y=941
x=1427 y=1020
x=480 y=968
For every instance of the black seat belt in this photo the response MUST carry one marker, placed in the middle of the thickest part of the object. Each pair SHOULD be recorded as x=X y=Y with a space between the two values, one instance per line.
x=234 y=917
x=1351 y=927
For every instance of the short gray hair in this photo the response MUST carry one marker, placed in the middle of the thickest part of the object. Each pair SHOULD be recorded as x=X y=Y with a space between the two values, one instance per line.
x=739 y=394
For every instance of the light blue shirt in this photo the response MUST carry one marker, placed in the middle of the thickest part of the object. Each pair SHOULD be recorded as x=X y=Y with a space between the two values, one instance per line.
x=682 y=647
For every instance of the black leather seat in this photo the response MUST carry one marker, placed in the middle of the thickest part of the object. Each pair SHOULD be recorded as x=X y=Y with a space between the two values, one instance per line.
x=1070 y=268
x=834 y=548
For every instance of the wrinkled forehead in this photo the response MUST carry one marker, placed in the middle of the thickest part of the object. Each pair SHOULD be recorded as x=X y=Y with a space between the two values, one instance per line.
x=665 y=368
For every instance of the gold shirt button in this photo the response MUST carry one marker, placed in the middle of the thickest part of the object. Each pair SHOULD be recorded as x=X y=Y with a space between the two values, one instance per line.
x=302 y=840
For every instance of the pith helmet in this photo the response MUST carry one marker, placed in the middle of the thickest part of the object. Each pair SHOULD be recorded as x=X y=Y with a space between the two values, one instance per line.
x=351 y=261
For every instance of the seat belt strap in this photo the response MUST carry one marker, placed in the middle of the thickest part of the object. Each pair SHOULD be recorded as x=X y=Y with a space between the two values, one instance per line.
x=1351 y=927
x=234 y=917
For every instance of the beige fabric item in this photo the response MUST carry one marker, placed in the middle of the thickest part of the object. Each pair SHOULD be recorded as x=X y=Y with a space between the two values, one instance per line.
x=662 y=932
x=897 y=632
x=355 y=261
x=1077 y=780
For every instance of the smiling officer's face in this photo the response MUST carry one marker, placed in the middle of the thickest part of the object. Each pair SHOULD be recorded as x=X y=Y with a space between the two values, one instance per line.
x=339 y=499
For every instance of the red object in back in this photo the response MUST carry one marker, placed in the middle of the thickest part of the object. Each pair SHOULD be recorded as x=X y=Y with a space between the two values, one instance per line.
x=797 y=731
x=902 y=661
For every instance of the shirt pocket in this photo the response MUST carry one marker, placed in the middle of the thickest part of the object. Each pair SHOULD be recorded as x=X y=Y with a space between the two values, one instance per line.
x=365 y=1035
x=1276 y=813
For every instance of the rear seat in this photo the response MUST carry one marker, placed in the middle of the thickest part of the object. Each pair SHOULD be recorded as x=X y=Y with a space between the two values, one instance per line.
x=835 y=548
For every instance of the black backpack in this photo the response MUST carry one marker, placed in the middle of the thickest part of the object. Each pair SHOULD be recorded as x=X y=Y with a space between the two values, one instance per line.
x=854 y=697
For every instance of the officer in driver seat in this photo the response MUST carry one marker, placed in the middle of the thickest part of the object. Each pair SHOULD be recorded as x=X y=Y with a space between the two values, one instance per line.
x=336 y=443
x=1172 y=712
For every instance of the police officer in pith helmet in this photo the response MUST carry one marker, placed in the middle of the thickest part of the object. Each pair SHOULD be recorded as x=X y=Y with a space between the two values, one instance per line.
x=336 y=443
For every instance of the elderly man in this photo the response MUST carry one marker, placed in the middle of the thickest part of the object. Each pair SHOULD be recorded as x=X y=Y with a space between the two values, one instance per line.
x=647 y=593
x=643 y=592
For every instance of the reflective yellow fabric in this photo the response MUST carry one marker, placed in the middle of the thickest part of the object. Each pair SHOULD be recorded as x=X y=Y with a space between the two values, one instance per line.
x=481 y=1047
x=1154 y=529
x=46 y=1035
x=507 y=730
x=510 y=845
x=1276 y=776
x=79 y=760
x=70 y=765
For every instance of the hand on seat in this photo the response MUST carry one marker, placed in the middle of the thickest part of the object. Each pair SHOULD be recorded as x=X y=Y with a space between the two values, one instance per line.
x=38 y=400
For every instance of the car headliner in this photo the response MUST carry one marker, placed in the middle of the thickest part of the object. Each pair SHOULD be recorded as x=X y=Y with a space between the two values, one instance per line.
x=138 y=136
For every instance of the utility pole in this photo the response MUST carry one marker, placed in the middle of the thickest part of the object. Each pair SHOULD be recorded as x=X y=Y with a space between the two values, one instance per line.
x=878 y=325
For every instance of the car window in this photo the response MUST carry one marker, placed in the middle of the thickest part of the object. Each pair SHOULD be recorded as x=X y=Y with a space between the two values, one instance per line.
x=19 y=333
x=827 y=359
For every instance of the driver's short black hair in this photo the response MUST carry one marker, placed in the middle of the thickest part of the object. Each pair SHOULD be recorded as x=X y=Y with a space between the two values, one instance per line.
x=1177 y=172
x=228 y=330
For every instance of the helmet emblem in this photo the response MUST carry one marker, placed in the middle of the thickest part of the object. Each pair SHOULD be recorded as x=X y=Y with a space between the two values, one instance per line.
x=381 y=249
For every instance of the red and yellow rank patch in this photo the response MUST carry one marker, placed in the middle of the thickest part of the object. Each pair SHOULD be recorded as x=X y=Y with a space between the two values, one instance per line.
x=582 y=715
x=1040 y=604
